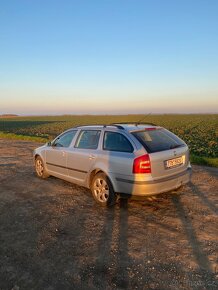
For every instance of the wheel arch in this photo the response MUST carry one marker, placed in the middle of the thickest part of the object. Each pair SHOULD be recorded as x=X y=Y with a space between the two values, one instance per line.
x=45 y=171
x=94 y=172
x=40 y=156
x=36 y=155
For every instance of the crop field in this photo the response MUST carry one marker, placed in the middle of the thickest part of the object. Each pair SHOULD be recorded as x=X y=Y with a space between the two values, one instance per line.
x=200 y=132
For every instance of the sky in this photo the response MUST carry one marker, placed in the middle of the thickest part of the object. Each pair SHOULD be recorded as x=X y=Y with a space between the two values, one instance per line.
x=108 y=56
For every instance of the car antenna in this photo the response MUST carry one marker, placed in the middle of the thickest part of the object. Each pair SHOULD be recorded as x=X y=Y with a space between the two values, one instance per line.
x=137 y=123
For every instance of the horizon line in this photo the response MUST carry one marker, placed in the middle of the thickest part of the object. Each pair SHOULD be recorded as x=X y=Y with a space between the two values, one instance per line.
x=97 y=114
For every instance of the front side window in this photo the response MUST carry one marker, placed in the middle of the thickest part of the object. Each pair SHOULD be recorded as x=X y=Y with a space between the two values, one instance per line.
x=65 y=139
x=116 y=142
x=88 y=139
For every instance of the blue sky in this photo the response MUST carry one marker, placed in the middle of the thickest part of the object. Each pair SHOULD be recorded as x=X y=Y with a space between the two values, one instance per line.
x=108 y=56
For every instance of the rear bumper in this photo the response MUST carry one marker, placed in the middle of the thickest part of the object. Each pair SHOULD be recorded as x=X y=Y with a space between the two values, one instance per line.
x=151 y=187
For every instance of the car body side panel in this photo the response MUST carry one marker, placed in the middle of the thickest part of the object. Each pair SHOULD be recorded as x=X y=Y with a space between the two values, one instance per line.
x=79 y=163
x=56 y=160
x=67 y=178
x=112 y=163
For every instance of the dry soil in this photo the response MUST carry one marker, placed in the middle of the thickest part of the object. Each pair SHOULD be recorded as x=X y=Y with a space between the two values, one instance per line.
x=54 y=236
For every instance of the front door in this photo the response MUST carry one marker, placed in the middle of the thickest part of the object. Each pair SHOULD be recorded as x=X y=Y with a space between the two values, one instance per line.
x=56 y=160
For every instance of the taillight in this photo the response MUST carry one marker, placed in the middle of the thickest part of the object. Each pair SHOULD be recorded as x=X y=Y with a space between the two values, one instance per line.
x=142 y=164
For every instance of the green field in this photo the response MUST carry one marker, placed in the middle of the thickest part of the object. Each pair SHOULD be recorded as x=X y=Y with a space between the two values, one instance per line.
x=200 y=132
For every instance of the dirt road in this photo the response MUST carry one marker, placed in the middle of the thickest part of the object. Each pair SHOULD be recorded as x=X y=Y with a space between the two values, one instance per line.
x=54 y=236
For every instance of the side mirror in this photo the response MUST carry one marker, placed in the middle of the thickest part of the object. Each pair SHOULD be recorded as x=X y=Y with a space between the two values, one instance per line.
x=49 y=144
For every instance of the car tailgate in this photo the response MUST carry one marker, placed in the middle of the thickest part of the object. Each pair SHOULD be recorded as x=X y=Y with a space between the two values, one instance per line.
x=169 y=162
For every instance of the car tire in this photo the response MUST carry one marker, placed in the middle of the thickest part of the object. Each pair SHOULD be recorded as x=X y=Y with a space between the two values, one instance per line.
x=102 y=190
x=40 y=168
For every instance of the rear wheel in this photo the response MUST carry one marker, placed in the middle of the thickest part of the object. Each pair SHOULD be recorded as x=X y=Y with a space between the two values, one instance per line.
x=40 y=168
x=102 y=190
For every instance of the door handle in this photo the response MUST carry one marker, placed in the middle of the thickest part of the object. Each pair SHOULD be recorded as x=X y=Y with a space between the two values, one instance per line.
x=91 y=157
x=63 y=153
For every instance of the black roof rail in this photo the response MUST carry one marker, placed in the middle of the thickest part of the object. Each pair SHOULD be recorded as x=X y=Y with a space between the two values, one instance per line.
x=135 y=123
x=115 y=125
x=104 y=125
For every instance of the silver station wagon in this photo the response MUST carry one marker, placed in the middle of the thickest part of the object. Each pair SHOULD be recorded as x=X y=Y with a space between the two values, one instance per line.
x=132 y=159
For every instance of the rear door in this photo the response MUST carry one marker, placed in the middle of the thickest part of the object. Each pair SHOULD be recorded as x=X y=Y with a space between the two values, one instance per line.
x=168 y=154
x=81 y=158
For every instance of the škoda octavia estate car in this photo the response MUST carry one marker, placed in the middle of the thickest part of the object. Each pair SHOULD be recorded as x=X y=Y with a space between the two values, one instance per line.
x=132 y=159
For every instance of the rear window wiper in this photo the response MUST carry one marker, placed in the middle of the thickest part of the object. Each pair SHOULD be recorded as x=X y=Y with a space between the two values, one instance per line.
x=176 y=146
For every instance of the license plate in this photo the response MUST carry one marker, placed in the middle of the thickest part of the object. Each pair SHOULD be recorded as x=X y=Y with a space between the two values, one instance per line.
x=175 y=162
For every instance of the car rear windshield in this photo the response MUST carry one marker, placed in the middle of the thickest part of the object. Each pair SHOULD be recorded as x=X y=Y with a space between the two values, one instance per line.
x=157 y=140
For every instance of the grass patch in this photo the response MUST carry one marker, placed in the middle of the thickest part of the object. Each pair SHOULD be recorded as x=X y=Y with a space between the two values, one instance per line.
x=201 y=160
x=22 y=137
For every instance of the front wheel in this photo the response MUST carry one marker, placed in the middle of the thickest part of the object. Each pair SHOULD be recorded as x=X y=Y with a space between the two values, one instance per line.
x=102 y=190
x=40 y=168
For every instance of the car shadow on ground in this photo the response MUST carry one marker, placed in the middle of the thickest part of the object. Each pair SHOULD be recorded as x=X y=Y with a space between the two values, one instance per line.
x=205 y=269
x=107 y=258
x=211 y=205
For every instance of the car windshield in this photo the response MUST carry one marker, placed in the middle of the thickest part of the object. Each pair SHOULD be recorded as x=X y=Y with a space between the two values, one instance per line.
x=157 y=140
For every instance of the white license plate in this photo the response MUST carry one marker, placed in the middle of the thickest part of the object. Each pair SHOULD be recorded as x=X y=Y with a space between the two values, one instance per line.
x=175 y=162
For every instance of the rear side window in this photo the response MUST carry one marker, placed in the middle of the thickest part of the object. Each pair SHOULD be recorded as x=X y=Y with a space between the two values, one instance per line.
x=116 y=142
x=88 y=139
x=158 y=140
